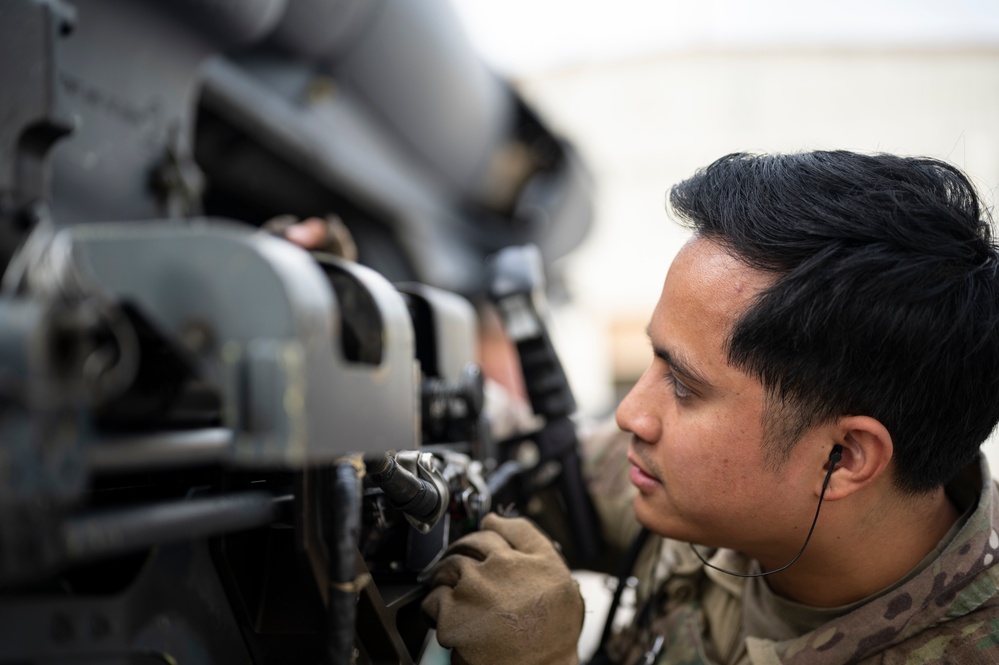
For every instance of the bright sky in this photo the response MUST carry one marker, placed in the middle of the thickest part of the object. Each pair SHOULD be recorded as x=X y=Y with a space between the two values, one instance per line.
x=520 y=37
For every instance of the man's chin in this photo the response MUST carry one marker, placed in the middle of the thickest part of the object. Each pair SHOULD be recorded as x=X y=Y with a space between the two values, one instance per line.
x=660 y=521
x=648 y=515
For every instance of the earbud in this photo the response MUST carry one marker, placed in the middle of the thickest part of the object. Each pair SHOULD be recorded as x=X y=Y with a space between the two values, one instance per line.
x=836 y=455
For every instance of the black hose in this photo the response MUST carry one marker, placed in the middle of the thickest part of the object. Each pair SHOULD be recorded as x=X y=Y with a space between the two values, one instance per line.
x=502 y=476
x=413 y=496
x=136 y=528
x=342 y=537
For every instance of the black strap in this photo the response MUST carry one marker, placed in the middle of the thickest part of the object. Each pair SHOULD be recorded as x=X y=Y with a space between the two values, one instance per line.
x=600 y=657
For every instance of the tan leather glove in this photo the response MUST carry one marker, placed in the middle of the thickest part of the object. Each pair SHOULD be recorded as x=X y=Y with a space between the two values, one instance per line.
x=504 y=596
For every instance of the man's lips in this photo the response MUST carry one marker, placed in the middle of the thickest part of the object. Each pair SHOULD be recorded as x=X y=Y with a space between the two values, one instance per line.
x=640 y=478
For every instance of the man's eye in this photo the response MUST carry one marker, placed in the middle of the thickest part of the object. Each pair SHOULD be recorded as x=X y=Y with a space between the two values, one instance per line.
x=679 y=389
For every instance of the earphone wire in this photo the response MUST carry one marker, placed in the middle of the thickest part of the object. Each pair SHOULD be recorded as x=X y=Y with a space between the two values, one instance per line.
x=834 y=459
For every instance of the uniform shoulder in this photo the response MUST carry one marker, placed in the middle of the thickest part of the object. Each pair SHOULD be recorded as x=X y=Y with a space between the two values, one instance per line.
x=972 y=639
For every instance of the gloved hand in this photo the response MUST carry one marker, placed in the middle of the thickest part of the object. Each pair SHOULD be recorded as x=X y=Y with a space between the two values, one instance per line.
x=504 y=596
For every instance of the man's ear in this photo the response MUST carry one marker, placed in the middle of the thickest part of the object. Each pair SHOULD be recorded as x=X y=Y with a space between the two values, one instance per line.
x=866 y=453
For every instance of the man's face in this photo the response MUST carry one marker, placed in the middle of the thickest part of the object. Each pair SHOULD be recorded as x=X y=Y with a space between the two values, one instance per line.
x=696 y=452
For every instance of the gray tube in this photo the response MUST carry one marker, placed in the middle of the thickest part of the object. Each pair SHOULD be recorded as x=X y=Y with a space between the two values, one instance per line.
x=129 y=529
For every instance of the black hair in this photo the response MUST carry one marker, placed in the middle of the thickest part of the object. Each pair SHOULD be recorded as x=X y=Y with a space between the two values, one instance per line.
x=884 y=302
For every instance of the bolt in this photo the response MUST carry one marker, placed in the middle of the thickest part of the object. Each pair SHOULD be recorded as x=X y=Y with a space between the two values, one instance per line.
x=197 y=337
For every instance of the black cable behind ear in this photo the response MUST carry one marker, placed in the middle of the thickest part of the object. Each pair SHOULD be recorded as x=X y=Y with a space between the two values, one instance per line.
x=834 y=458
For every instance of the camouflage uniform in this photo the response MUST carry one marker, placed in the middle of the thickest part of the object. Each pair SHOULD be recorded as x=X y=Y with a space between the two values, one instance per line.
x=946 y=612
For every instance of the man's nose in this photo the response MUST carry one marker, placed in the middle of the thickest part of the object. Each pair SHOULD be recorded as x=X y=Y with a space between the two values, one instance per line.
x=636 y=413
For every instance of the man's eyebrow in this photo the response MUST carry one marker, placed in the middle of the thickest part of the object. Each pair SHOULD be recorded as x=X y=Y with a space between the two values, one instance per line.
x=677 y=362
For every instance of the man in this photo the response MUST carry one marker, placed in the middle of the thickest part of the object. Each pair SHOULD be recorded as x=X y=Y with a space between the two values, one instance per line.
x=829 y=338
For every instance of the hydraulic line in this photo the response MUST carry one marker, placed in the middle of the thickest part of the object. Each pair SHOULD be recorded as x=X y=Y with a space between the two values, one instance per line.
x=342 y=536
x=412 y=495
